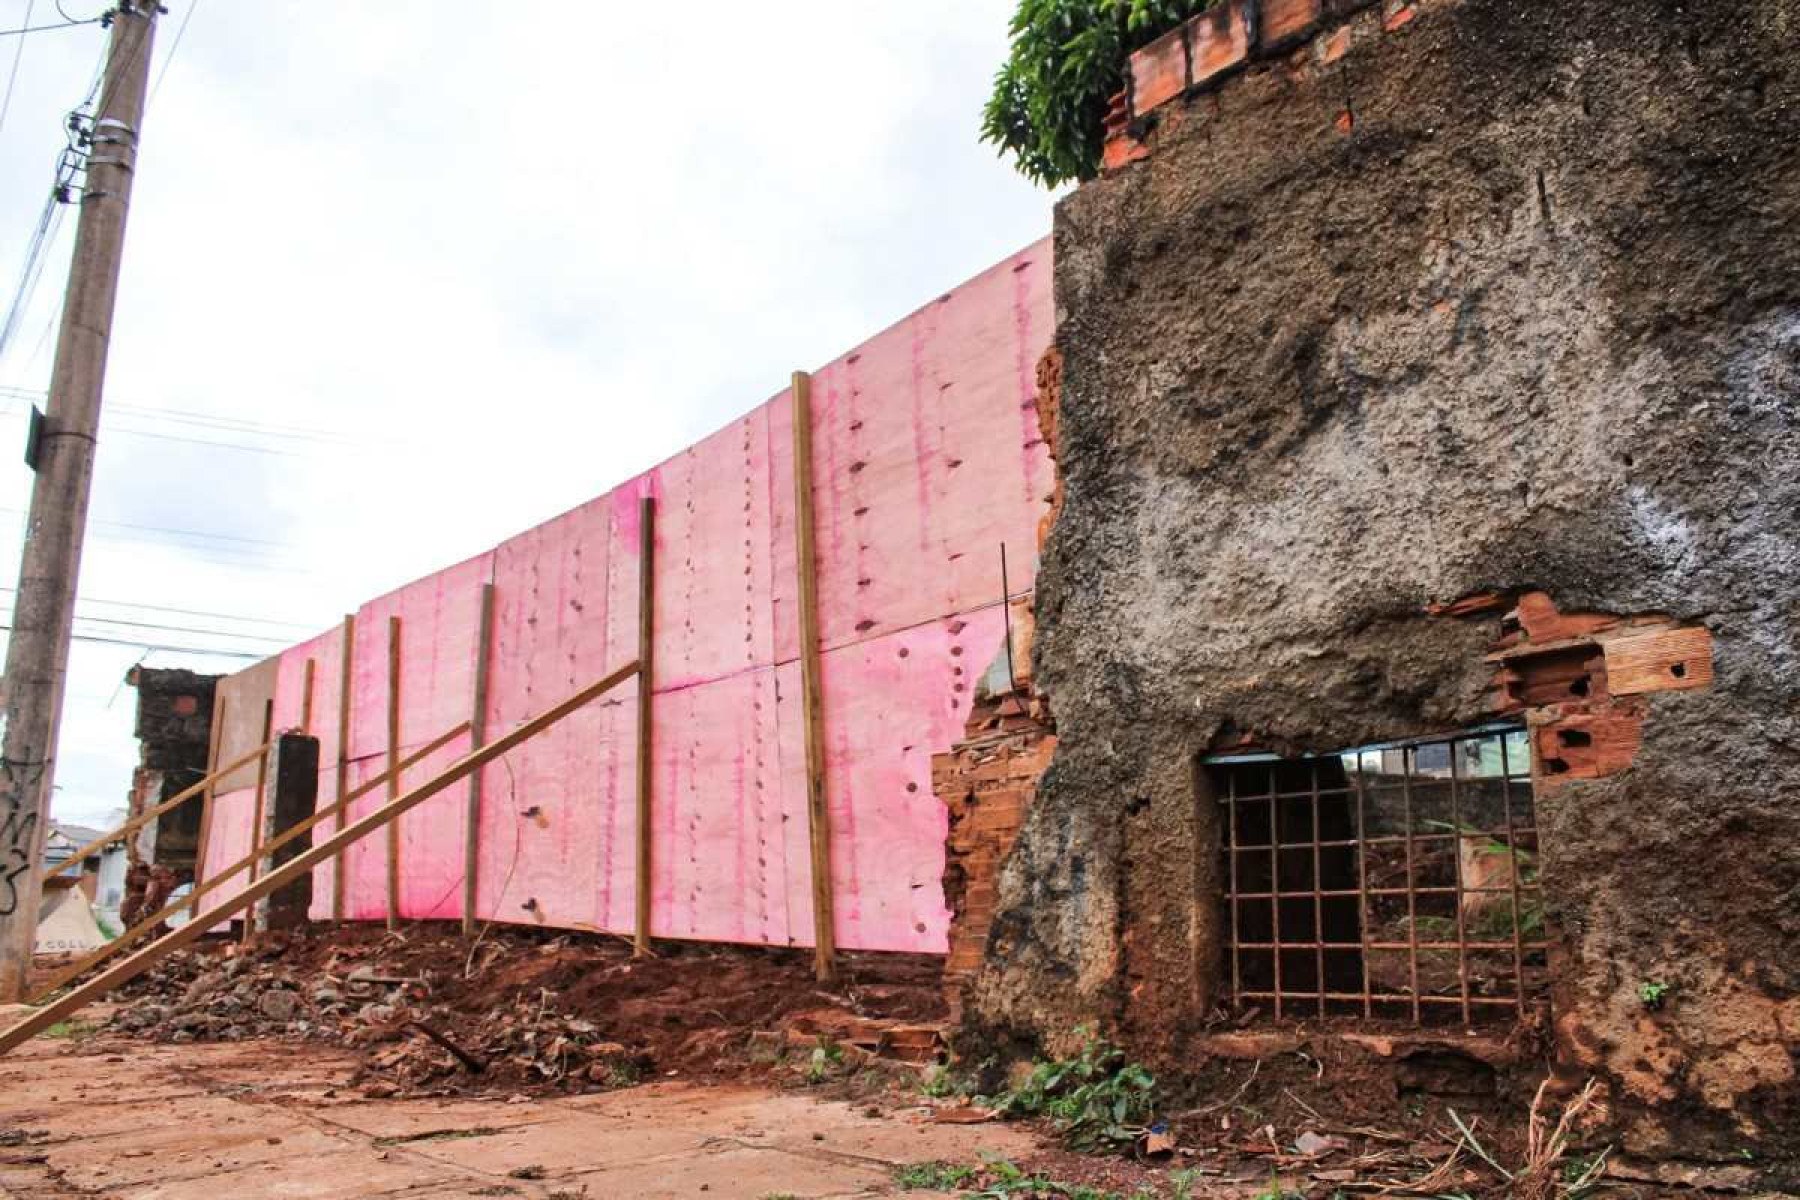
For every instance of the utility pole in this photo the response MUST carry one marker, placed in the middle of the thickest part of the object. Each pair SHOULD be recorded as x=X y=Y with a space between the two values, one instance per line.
x=37 y=657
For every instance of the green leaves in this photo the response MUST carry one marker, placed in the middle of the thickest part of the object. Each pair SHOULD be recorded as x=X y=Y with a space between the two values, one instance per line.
x=1097 y=1100
x=1068 y=58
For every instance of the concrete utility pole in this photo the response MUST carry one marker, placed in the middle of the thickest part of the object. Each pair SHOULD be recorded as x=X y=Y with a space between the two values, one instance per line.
x=37 y=657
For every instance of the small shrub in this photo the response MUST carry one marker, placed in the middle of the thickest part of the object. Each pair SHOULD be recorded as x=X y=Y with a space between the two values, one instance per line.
x=1068 y=58
x=1098 y=1100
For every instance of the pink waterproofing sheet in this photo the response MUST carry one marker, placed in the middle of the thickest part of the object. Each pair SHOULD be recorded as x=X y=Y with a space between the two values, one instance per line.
x=927 y=459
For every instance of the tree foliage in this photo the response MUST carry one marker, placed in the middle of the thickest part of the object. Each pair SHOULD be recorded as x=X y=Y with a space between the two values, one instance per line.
x=1068 y=58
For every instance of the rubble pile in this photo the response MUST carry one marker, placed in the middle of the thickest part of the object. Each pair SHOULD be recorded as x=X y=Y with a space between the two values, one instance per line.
x=432 y=1011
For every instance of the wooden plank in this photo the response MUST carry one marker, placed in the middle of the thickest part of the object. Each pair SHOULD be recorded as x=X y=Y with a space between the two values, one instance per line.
x=343 y=758
x=306 y=696
x=135 y=933
x=393 y=783
x=1661 y=661
x=150 y=814
x=818 y=816
x=216 y=734
x=192 y=931
x=260 y=807
x=484 y=637
x=645 y=697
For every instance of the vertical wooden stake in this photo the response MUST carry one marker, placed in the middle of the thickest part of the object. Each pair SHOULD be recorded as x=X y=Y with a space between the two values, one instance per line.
x=214 y=735
x=393 y=766
x=646 y=679
x=818 y=816
x=257 y=811
x=343 y=761
x=484 y=636
x=306 y=697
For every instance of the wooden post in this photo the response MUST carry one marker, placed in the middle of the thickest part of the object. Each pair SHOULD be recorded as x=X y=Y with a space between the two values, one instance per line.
x=306 y=696
x=393 y=762
x=257 y=808
x=78 y=998
x=343 y=759
x=484 y=636
x=645 y=703
x=818 y=815
x=214 y=736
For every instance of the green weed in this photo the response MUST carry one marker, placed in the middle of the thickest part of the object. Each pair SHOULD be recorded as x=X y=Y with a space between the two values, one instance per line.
x=933 y=1176
x=1098 y=1100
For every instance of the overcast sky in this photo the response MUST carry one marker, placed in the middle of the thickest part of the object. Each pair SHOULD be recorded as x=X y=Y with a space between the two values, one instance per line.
x=404 y=278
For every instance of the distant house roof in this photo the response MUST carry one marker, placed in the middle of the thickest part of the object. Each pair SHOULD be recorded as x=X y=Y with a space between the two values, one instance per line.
x=64 y=840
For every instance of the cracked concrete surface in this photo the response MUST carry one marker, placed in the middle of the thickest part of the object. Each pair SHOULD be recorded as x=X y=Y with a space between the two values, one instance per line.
x=107 y=1117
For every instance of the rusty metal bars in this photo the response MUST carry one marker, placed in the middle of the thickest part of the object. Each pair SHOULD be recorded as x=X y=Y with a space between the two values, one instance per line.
x=1420 y=791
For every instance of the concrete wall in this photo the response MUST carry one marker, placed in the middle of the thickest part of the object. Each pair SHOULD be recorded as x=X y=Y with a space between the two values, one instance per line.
x=1495 y=299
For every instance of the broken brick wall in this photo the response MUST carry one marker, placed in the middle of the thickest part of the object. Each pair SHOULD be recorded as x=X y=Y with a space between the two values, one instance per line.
x=987 y=783
x=173 y=727
x=1528 y=324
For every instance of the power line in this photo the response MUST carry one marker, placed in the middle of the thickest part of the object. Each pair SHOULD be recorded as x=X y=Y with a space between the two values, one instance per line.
x=42 y=235
x=198 y=533
x=13 y=77
x=175 y=45
x=208 y=421
x=187 y=612
x=247 y=637
x=22 y=31
x=206 y=650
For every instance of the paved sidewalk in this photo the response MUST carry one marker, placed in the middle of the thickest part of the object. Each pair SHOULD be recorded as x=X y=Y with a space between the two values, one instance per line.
x=110 y=1117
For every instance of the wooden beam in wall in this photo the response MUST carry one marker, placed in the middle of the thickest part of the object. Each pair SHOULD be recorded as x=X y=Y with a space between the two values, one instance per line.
x=484 y=636
x=258 y=807
x=306 y=697
x=343 y=757
x=214 y=736
x=393 y=763
x=645 y=697
x=818 y=815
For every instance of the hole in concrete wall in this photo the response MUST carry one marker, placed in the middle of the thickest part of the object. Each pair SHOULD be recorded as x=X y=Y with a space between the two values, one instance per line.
x=1392 y=881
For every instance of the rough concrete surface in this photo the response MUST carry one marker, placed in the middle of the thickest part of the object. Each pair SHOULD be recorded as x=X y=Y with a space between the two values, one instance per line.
x=111 y=1119
x=1534 y=322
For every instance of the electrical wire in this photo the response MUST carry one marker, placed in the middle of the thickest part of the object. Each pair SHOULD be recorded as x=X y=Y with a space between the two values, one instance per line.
x=159 y=628
x=21 y=32
x=44 y=233
x=196 y=533
x=180 y=32
x=211 y=422
x=185 y=612
x=12 y=77
x=206 y=650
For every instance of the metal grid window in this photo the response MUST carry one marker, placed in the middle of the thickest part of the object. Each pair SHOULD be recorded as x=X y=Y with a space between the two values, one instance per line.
x=1388 y=881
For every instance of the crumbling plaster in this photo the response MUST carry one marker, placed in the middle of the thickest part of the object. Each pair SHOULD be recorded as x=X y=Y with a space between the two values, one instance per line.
x=1533 y=322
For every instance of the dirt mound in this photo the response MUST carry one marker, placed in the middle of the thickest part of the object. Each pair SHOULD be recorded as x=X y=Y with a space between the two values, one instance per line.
x=518 y=1010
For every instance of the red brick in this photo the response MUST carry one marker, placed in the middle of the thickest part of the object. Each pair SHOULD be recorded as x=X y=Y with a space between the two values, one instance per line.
x=1219 y=40
x=1286 y=21
x=1159 y=72
x=1334 y=45
x=1397 y=14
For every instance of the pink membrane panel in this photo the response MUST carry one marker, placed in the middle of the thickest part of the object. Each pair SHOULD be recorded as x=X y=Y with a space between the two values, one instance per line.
x=927 y=460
